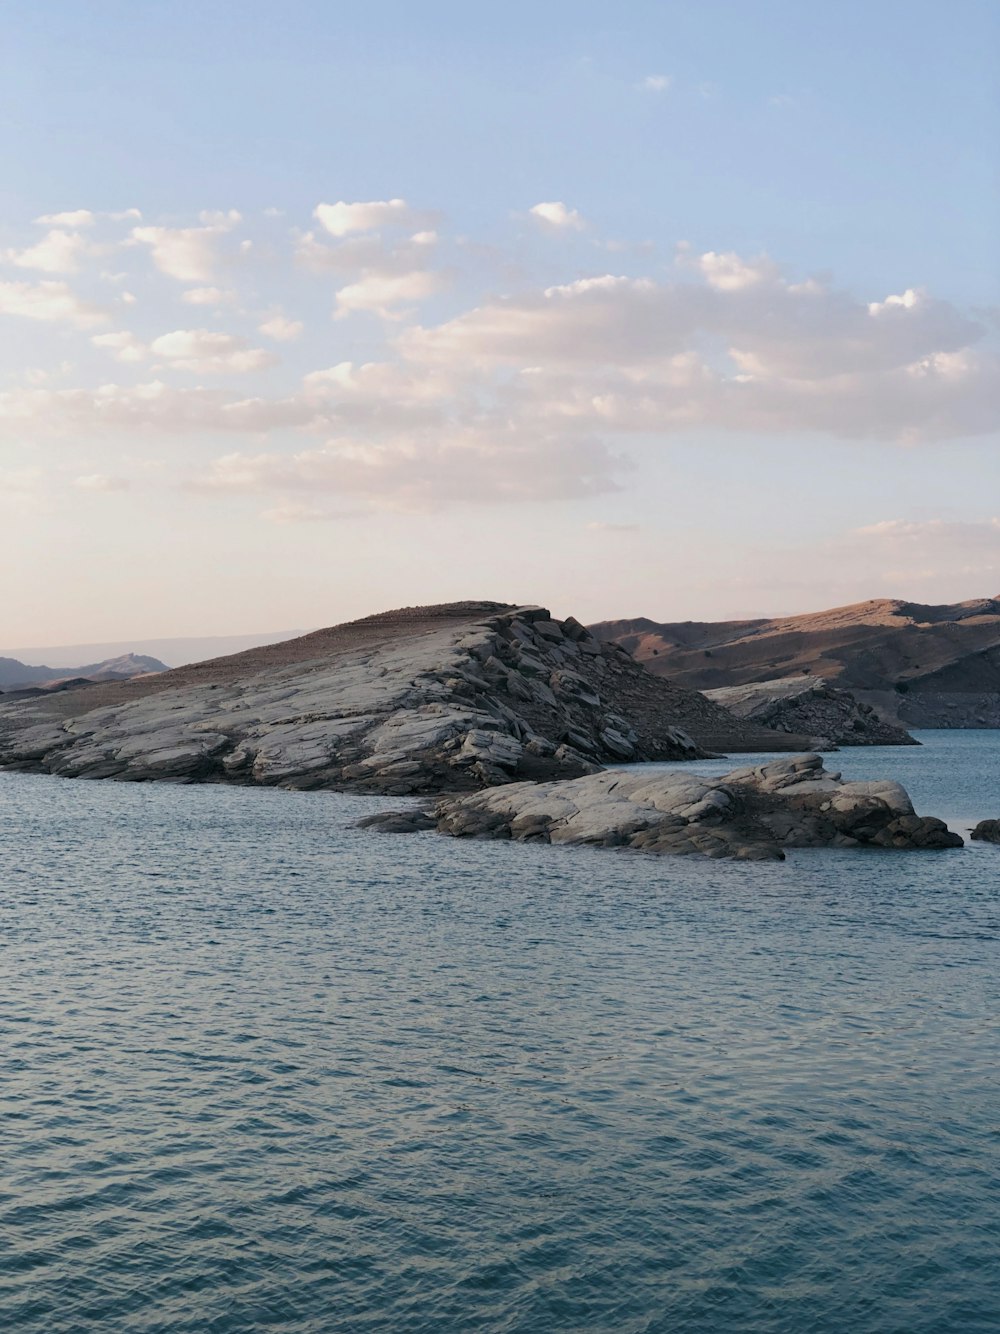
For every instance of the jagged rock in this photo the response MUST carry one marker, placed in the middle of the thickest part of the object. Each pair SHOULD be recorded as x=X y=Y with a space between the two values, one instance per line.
x=811 y=705
x=987 y=831
x=422 y=700
x=750 y=814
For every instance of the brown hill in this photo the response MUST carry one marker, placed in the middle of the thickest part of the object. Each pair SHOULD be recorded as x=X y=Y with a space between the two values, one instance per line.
x=931 y=666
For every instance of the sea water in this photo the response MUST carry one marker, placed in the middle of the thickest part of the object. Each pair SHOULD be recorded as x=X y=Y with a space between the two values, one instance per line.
x=260 y=1070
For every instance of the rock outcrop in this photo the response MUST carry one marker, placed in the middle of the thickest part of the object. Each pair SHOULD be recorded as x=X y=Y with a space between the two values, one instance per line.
x=426 y=699
x=750 y=814
x=916 y=665
x=810 y=705
x=987 y=831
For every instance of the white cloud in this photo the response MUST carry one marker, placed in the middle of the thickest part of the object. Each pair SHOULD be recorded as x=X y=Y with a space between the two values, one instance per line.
x=123 y=346
x=730 y=273
x=417 y=473
x=57 y=252
x=99 y=481
x=656 y=83
x=382 y=293
x=281 y=329
x=78 y=217
x=341 y=219
x=189 y=254
x=905 y=301
x=208 y=296
x=557 y=216
x=53 y=301
x=210 y=353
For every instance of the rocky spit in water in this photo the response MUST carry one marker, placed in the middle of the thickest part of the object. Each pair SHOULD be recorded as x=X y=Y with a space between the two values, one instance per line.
x=811 y=705
x=987 y=831
x=750 y=814
x=428 y=699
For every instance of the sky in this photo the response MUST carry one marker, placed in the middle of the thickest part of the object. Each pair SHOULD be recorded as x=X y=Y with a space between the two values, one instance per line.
x=682 y=310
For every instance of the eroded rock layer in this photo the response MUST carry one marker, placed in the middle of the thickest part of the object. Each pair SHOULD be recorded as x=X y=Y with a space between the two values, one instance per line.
x=422 y=700
x=811 y=705
x=750 y=814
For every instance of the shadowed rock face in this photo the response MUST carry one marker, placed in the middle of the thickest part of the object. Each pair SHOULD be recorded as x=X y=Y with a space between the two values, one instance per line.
x=811 y=705
x=425 y=699
x=750 y=814
x=987 y=831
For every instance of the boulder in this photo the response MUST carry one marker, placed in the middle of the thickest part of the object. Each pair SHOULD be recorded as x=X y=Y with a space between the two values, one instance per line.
x=987 y=831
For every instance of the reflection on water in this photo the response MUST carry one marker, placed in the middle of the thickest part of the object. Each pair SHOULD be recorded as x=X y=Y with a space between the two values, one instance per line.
x=259 y=1070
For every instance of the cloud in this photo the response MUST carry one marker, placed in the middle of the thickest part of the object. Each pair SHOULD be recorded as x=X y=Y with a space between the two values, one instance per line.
x=557 y=217
x=744 y=350
x=979 y=534
x=78 y=217
x=656 y=83
x=730 y=273
x=290 y=511
x=99 y=481
x=188 y=254
x=341 y=219
x=53 y=301
x=281 y=329
x=926 y=558
x=207 y=296
x=381 y=293
x=57 y=252
x=123 y=346
x=210 y=353
x=425 y=473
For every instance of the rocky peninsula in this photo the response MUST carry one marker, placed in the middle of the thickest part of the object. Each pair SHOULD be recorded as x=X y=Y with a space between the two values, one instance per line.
x=751 y=814
x=429 y=699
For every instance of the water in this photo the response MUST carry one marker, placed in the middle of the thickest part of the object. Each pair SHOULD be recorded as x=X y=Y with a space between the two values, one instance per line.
x=261 y=1071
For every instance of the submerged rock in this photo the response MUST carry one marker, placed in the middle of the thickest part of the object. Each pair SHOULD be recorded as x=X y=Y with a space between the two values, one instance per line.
x=750 y=814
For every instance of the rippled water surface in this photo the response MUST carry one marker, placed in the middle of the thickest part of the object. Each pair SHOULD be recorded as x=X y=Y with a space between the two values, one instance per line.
x=261 y=1071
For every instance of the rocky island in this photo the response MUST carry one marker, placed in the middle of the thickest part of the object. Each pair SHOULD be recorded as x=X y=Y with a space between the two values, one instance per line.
x=427 y=699
x=750 y=814
x=504 y=712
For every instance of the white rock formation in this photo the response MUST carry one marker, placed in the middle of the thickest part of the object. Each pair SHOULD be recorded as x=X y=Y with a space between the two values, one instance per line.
x=751 y=813
x=474 y=700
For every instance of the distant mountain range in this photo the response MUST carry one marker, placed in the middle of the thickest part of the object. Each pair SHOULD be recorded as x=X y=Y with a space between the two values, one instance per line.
x=923 y=666
x=15 y=675
x=175 y=652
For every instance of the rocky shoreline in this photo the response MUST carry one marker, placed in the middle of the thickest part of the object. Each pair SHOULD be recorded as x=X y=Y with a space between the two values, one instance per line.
x=428 y=699
x=751 y=814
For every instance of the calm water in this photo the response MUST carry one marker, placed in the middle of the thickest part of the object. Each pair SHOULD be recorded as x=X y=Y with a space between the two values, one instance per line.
x=260 y=1071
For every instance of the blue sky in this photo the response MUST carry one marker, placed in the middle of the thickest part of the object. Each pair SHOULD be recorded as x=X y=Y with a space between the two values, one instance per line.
x=737 y=436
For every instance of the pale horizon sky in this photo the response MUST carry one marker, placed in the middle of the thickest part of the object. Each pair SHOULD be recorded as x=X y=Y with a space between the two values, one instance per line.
x=680 y=310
